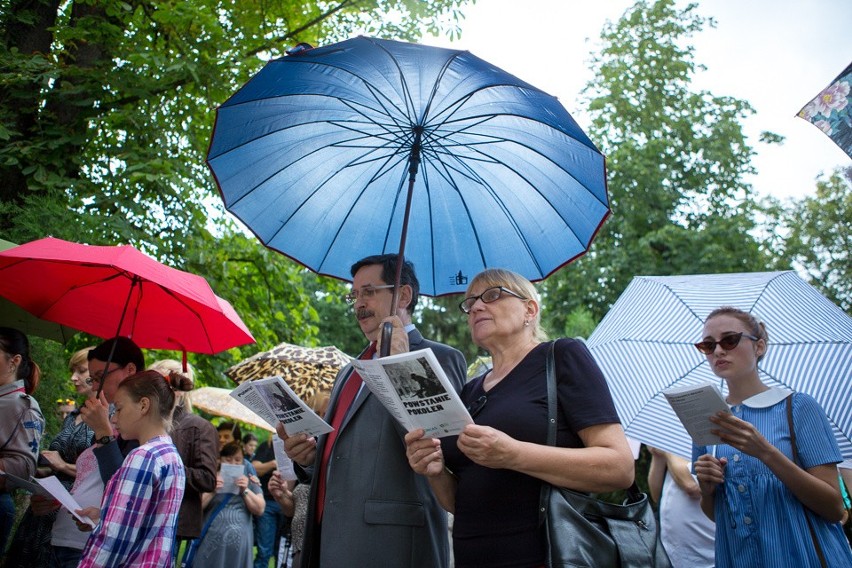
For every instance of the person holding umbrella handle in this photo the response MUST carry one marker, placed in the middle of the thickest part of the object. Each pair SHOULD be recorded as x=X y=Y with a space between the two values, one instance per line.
x=366 y=506
x=771 y=486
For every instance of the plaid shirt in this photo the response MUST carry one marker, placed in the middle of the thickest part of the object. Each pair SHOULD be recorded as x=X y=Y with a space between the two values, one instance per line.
x=139 y=510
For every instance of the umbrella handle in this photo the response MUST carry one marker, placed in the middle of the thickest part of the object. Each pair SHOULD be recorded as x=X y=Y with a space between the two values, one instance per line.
x=387 y=332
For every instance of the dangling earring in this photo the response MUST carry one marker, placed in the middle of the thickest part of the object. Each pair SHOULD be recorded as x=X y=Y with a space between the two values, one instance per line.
x=526 y=323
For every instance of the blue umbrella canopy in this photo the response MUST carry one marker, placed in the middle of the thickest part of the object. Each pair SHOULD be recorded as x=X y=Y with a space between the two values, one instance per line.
x=645 y=345
x=334 y=153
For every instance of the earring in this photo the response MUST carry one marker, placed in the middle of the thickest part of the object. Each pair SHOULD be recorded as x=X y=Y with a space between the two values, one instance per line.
x=526 y=323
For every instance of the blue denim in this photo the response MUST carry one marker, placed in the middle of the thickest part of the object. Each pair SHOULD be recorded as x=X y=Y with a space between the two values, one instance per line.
x=266 y=533
x=7 y=519
x=66 y=557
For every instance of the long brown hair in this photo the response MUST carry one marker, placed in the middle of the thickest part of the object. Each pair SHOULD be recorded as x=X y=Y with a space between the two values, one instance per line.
x=755 y=326
x=158 y=389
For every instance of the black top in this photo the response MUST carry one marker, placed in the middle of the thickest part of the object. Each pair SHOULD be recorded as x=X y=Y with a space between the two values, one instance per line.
x=496 y=510
x=264 y=453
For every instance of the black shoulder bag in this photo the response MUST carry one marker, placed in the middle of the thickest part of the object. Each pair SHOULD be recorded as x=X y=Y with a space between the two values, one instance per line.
x=584 y=531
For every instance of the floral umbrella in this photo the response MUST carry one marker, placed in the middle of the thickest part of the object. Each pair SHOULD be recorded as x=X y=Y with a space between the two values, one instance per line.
x=831 y=111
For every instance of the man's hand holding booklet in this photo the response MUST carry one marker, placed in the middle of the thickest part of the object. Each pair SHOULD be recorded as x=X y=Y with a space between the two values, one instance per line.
x=694 y=405
x=416 y=391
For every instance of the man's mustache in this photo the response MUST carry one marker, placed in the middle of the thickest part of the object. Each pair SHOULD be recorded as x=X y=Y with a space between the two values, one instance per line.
x=364 y=313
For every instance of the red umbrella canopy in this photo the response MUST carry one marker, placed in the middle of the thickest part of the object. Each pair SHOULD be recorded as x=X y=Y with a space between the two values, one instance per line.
x=117 y=290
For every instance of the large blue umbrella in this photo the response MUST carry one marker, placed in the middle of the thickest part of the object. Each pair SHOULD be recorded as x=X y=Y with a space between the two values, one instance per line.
x=334 y=153
x=645 y=345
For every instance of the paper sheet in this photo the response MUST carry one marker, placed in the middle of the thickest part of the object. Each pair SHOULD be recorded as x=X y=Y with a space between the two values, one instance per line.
x=55 y=488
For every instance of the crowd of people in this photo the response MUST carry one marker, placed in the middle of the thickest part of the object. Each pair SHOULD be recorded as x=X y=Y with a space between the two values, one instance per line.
x=157 y=485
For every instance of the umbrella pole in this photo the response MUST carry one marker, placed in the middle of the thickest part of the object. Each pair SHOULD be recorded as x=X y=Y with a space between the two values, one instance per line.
x=133 y=284
x=413 y=165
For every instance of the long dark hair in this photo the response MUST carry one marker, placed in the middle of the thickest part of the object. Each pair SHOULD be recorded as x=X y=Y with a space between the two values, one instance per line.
x=14 y=342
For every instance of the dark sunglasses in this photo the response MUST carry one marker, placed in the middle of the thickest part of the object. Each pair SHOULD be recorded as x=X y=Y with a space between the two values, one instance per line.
x=728 y=342
x=477 y=405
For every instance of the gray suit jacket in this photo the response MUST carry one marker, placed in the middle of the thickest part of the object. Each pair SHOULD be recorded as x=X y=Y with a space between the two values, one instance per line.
x=378 y=512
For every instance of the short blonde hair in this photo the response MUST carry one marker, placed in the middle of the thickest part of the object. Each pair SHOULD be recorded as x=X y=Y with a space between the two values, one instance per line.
x=492 y=277
x=79 y=359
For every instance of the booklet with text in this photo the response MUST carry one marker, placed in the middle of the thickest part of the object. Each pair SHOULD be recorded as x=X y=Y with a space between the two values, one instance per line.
x=416 y=391
x=694 y=405
x=274 y=401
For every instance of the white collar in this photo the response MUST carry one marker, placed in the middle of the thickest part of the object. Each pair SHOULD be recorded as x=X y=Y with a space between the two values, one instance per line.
x=767 y=398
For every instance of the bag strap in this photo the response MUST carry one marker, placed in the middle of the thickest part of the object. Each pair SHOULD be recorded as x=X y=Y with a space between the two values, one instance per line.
x=189 y=555
x=552 y=403
x=818 y=548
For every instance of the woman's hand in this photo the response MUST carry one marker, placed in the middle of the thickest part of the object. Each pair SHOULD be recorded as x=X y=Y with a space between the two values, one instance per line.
x=741 y=435
x=278 y=487
x=54 y=459
x=220 y=483
x=424 y=454
x=93 y=513
x=242 y=483
x=710 y=472
x=487 y=447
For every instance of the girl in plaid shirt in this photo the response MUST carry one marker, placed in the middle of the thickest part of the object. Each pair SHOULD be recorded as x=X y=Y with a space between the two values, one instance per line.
x=138 y=514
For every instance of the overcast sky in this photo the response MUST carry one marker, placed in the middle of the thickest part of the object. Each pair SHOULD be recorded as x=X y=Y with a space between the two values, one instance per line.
x=776 y=54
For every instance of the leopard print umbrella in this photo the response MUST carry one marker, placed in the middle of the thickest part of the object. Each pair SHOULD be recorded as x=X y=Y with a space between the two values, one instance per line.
x=305 y=369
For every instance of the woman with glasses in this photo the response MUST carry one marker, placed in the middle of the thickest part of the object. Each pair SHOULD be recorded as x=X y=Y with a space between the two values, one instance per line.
x=771 y=507
x=490 y=476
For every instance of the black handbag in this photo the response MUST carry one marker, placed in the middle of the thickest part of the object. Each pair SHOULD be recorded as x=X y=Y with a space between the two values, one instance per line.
x=584 y=531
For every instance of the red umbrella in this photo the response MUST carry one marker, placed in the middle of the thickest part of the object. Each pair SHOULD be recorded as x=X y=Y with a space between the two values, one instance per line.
x=109 y=291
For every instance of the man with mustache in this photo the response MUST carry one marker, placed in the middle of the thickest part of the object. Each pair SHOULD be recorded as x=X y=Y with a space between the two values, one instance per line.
x=367 y=507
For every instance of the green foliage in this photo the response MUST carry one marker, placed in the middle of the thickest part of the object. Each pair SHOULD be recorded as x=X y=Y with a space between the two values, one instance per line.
x=106 y=111
x=677 y=161
x=820 y=237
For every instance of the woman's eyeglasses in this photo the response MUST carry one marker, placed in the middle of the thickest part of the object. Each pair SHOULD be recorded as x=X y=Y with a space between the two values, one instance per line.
x=477 y=405
x=488 y=296
x=365 y=292
x=728 y=342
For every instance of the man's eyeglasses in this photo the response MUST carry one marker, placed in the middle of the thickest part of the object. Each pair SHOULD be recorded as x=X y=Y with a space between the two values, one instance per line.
x=100 y=376
x=488 y=296
x=365 y=292
x=728 y=342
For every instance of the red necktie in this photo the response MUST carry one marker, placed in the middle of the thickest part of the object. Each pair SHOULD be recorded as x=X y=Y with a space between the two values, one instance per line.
x=344 y=401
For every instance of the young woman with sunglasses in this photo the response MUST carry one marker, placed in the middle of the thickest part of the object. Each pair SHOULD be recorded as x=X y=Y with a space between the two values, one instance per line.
x=768 y=509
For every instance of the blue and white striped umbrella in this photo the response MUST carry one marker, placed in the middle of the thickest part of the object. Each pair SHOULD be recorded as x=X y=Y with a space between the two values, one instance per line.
x=645 y=345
